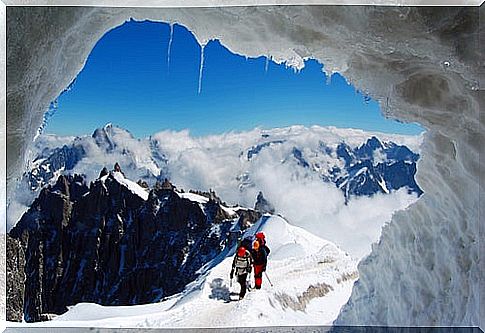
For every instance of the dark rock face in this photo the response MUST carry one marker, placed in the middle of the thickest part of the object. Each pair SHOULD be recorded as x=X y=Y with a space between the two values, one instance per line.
x=247 y=218
x=262 y=205
x=41 y=231
x=256 y=149
x=64 y=158
x=102 y=137
x=400 y=174
x=365 y=174
x=298 y=155
x=15 y=279
x=107 y=245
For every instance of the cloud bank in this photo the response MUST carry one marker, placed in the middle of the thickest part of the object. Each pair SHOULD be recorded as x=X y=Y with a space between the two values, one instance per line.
x=298 y=194
x=224 y=163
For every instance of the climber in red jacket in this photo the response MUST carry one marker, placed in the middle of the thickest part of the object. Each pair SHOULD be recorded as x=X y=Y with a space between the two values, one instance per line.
x=260 y=259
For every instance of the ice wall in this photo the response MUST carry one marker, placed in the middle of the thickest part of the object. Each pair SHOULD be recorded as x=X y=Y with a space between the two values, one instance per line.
x=3 y=164
x=420 y=63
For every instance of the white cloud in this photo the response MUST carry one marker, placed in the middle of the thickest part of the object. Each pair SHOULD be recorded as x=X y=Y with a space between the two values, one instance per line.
x=15 y=210
x=299 y=194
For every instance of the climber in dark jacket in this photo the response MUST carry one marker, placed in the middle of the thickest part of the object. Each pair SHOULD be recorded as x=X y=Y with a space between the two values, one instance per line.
x=260 y=259
x=242 y=265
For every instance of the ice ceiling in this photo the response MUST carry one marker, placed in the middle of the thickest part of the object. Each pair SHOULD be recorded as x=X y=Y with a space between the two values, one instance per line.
x=422 y=64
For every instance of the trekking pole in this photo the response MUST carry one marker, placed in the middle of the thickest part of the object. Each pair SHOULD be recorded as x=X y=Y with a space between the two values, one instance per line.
x=266 y=274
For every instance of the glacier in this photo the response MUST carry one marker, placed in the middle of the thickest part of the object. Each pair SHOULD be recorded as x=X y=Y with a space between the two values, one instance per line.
x=421 y=64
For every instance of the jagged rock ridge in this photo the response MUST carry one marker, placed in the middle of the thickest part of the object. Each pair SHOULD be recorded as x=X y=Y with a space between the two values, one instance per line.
x=374 y=167
x=110 y=244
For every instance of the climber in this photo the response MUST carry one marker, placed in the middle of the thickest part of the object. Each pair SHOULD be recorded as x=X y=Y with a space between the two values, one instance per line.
x=242 y=265
x=262 y=241
x=260 y=258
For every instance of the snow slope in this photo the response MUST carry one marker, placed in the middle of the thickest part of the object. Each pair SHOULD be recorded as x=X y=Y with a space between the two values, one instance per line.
x=132 y=186
x=311 y=277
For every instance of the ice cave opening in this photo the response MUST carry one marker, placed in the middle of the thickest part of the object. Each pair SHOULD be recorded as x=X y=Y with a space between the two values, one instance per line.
x=420 y=63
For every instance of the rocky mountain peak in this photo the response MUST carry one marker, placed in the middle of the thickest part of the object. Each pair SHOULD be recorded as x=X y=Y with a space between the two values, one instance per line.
x=112 y=245
x=106 y=137
x=262 y=205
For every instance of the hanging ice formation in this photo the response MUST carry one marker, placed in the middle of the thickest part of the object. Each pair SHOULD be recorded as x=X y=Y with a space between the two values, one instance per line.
x=266 y=65
x=169 y=47
x=201 y=67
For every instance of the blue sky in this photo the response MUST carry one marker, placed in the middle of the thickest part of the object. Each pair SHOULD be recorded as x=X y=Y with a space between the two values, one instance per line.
x=127 y=81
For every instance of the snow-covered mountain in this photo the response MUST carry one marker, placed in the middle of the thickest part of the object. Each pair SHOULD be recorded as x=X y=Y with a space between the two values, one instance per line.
x=311 y=278
x=130 y=238
x=115 y=243
x=236 y=165
x=365 y=169
x=88 y=154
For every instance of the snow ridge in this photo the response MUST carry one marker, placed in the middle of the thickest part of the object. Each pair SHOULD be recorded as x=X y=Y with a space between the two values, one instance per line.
x=312 y=279
x=132 y=186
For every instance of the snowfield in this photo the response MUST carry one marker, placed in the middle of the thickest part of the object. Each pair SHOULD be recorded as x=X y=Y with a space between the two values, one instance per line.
x=312 y=279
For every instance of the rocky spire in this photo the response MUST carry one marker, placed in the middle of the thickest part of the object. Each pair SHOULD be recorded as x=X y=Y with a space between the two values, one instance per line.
x=103 y=172
x=167 y=185
x=262 y=205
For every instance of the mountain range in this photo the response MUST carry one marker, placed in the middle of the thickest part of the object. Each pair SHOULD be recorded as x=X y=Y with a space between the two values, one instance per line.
x=118 y=243
x=356 y=162
x=129 y=236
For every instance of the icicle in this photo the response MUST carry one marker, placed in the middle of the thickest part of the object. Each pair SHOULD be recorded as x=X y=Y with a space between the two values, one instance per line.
x=386 y=108
x=201 y=67
x=169 y=47
x=266 y=65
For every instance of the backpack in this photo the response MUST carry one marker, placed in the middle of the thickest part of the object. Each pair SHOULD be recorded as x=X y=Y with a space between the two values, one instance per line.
x=260 y=257
x=242 y=265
